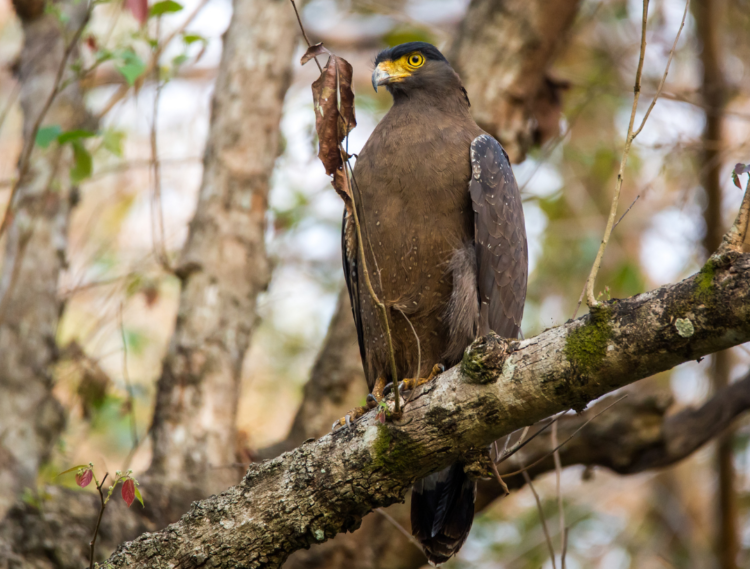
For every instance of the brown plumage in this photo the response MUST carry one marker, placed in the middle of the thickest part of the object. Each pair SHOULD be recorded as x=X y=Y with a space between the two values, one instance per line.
x=445 y=245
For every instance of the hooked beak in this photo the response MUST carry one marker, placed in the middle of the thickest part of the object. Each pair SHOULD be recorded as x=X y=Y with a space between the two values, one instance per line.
x=386 y=72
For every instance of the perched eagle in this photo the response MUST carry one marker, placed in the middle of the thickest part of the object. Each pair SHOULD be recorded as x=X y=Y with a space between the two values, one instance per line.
x=445 y=246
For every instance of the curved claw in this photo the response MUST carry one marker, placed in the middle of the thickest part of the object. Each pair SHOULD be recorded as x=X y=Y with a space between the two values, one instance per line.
x=372 y=402
x=333 y=427
x=348 y=422
x=387 y=389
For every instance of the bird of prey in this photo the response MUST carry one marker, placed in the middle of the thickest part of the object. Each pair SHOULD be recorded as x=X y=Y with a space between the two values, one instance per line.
x=445 y=246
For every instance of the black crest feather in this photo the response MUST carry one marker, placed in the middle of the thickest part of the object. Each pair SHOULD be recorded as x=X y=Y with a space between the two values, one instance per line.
x=426 y=49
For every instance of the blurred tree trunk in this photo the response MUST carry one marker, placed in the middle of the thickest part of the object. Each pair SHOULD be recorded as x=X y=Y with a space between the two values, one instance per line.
x=36 y=237
x=223 y=265
x=502 y=52
x=708 y=17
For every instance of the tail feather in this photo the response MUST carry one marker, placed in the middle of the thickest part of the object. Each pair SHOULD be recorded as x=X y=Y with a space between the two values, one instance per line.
x=442 y=511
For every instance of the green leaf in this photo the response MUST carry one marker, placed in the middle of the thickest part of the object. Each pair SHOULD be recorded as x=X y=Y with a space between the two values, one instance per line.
x=47 y=135
x=82 y=165
x=112 y=141
x=74 y=468
x=164 y=7
x=138 y=496
x=132 y=68
x=71 y=135
x=179 y=60
x=192 y=38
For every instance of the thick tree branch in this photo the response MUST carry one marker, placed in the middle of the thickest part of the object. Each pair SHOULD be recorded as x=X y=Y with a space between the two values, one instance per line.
x=322 y=488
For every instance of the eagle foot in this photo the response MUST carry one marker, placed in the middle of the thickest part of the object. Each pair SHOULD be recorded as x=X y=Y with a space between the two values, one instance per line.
x=411 y=383
x=372 y=401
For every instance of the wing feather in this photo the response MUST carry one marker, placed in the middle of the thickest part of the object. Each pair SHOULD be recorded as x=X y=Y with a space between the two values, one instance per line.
x=499 y=237
x=349 y=256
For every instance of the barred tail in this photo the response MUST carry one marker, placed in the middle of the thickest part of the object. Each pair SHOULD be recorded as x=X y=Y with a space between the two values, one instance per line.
x=442 y=511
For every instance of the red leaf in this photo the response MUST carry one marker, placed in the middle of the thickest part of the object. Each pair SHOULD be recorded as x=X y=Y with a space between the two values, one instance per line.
x=91 y=43
x=84 y=479
x=139 y=9
x=128 y=491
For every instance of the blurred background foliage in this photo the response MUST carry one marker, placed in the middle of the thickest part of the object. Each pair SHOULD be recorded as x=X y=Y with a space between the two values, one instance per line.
x=118 y=295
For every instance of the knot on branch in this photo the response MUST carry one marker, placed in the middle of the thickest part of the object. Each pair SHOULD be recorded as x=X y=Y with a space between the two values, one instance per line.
x=477 y=463
x=483 y=360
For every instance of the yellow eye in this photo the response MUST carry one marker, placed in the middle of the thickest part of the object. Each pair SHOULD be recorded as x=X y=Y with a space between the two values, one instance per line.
x=415 y=60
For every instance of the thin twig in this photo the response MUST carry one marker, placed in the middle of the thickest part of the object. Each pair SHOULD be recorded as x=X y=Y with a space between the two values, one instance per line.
x=25 y=159
x=522 y=442
x=626 y=212
x=560 y=508
x=499 y=478
x=541 y=518
x=631 y=134
x=128 y=385
x=304 y=34
x=154 y=62
x=416 y=337
x=400 y=528
x=562 y=444
x=11 y=101
x=157 y=212
x=381 y=307
x=92 y=543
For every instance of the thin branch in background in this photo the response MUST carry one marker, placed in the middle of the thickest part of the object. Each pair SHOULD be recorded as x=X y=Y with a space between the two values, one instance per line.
x=590 y=298
x=11 y=101
x=154 y=62
x=499 y=478
x=562 y=444
x=157 y=211
x=626 y=212
x=400 y=528
x=15 y=272
x=560 y=508
x=304 y=34
x=24 y=161
x=522 y=442
x=541 y=518
x=128 y=386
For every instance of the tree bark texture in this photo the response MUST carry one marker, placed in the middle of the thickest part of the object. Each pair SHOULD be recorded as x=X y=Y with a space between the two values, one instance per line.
x=223 y=265
x=35 y=242
x=502 y=53
x=325 y=487
x=638 y=434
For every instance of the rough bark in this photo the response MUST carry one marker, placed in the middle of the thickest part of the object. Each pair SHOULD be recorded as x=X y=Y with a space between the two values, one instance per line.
x=325 y=487
x=503 y=52
x=30 y=417
x=640 y=433
x=223 y=265
x=708 y=15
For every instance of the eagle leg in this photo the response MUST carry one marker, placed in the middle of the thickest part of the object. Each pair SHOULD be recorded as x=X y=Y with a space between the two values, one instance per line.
x=411 y=383
x=372 y=401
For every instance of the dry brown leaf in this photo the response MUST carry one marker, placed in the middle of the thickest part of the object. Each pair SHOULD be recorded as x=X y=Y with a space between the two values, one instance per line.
x=334 y=114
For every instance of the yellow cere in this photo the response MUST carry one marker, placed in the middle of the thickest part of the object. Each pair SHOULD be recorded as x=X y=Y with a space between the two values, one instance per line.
x=402 y=67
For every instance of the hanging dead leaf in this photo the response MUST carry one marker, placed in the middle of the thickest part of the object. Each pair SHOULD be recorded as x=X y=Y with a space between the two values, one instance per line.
x=334 y=114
